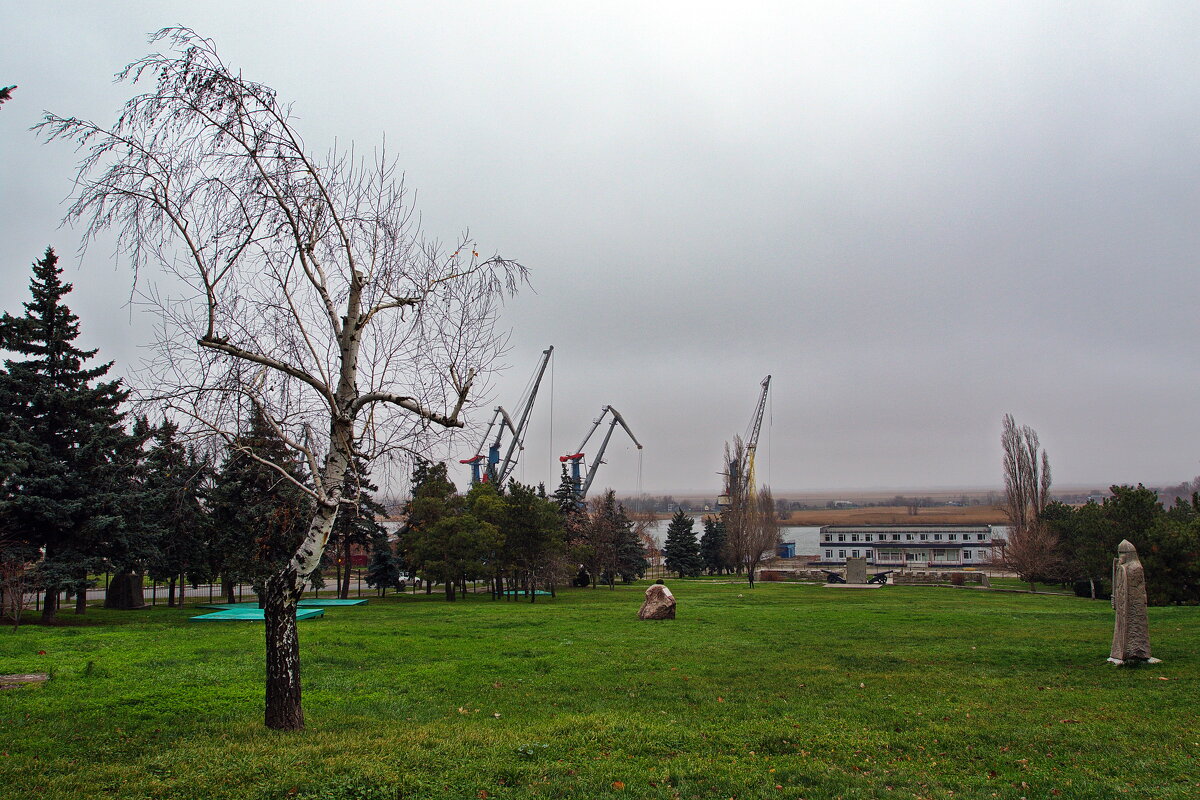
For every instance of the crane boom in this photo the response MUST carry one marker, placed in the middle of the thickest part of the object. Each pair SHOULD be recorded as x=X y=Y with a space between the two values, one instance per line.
x=496 y=471
x=510 y=459
x=739 y=480
x=752 y=442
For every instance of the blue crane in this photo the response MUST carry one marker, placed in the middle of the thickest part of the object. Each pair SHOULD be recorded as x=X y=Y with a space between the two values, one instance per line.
x=580 y=481
x=495 y=470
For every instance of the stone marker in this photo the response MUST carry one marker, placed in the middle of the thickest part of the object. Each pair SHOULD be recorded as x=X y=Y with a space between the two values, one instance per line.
x=1131 y=633
x=659 y=604
x=856 y=570
x=984 y=580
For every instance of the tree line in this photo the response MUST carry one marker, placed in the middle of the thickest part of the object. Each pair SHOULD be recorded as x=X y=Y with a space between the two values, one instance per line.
x=1053 y=542
x=735 y=541
x=516 y=539
x=87 y=487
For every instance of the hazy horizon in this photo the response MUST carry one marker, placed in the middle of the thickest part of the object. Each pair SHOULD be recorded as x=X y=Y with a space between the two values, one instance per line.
x=916 y=218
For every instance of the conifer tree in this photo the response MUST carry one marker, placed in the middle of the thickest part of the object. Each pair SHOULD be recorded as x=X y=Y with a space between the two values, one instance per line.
x=712 y=546
x=385 y=567
x=681 y=549
x=258 y=515
x=69 y=485
x=172 y=511
x=356 y=523
x=631 y=552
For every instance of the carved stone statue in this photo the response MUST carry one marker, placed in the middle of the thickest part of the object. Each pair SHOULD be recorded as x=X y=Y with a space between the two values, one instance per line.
x=1131 y=633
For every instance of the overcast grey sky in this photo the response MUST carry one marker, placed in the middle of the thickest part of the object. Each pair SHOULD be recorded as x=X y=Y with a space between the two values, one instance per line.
x=915 y=216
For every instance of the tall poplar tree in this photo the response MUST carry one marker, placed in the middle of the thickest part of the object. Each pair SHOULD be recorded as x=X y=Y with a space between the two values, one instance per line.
x=68 y=491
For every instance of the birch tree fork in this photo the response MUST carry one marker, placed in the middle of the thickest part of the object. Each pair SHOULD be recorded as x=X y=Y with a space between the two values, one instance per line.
x=311 y=293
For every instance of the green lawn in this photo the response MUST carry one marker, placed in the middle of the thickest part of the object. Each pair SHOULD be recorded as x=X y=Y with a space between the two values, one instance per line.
x=784 y=691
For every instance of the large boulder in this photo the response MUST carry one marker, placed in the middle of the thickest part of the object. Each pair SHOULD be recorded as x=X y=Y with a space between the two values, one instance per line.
x=659 y=603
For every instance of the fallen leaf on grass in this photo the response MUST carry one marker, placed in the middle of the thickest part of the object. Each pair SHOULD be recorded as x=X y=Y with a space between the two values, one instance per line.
x=618 y=785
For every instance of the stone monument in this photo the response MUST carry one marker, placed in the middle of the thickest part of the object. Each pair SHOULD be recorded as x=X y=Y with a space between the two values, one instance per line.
x=856 y=570
x=659 y=603
x=1131 y=632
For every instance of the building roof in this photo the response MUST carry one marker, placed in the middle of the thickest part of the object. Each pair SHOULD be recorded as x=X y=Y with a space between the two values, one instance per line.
x=907 y=528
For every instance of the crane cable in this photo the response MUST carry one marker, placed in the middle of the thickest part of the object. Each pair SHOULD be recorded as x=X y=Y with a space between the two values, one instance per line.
x=639 y=485
x=770 y=425
x=550 y=441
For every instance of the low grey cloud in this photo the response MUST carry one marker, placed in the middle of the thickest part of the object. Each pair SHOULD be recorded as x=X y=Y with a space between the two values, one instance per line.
x=916 y=217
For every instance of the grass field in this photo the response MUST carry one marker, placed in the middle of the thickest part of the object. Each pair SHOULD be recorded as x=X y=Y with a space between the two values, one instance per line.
x=785 y=691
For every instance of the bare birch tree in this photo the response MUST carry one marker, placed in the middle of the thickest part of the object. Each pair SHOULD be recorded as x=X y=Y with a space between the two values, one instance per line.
x=312 y=295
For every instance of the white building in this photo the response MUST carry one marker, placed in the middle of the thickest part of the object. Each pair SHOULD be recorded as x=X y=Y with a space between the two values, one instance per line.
x=908 y=546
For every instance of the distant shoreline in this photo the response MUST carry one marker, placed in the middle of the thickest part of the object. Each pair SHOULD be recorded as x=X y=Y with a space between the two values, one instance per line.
x=886 y=515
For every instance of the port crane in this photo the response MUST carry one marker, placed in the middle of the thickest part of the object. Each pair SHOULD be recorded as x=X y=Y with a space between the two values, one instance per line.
x=581 y=481
x=740 y=481
x=495 y=470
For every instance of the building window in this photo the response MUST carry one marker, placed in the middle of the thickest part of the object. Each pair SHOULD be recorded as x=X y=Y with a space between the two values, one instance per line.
x=979 y=537
x=896 y=537
x=908 y=537
x=854 y=553
x=924 y=536
x=966 y=555
x=982 y=555
x=868 y=537
x=841 y=553
x=854 y=538
x=952 y=536
x=828 y=554
x=841 y=537
x=937 y=537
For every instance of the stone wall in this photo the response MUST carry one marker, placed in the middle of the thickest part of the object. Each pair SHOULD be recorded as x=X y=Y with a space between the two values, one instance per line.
x=791 y=575
x=932 y=578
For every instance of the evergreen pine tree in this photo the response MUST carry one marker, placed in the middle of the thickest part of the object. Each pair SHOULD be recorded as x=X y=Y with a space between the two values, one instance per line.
x=258 y=515
x=712 y=546
x=69 y=487
x=681 y=549
x=385 y=566
x=356 y=524
x=174 y=481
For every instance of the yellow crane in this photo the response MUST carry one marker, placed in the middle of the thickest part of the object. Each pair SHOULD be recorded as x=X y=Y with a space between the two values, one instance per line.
x=739 y=480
